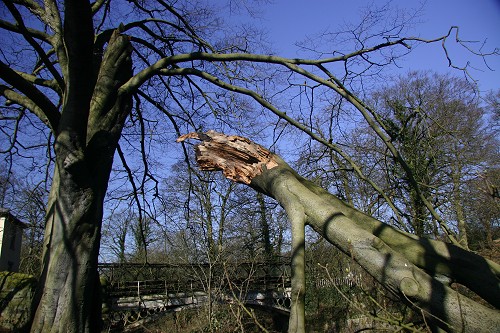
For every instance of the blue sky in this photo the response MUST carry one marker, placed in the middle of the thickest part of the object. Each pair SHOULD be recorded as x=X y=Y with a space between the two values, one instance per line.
x=288 y=21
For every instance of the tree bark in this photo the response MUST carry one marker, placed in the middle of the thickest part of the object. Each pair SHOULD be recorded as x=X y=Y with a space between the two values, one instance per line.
x=68 y=297
x=403 y=263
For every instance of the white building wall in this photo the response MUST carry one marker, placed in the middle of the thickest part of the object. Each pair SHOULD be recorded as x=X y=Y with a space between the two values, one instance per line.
x=11 y=232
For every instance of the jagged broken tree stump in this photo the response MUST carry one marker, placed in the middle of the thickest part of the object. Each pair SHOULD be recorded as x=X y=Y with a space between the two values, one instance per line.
x=239 y=159
x=403 y=263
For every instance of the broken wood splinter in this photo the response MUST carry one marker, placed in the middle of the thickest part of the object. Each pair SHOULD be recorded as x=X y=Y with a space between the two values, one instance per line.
x=239 y=158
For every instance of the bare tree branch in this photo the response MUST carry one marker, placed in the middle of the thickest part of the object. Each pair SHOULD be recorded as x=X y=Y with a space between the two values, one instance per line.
x=45 y=109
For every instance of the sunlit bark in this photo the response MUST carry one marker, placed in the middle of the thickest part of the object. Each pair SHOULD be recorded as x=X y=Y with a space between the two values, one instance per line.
x=377 y=247
x=68 y=296
x=79 y=84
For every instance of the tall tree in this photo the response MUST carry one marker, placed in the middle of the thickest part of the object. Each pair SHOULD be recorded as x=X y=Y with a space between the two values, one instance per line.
x=115 y=231
x=86 y=123
x=93 y=74
x=437 y=124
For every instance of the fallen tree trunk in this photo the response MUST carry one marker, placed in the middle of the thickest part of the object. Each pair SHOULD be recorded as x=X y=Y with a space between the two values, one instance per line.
x=405 y=264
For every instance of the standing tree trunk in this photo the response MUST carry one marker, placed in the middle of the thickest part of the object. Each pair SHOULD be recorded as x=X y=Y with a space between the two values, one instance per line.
x=264 y=226
x=68 y=296
x=458 y=206
x=404 y=264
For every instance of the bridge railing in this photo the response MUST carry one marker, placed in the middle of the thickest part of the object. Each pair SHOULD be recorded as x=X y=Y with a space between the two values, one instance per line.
x=177 y=276
x=123 y=279
x=134 y=288
x=151 y=287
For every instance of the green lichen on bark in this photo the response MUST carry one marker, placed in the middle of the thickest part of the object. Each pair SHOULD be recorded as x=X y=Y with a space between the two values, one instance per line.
x=16 y=294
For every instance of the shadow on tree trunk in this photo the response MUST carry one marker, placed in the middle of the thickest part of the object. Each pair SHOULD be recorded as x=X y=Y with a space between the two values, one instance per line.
x=415 y=269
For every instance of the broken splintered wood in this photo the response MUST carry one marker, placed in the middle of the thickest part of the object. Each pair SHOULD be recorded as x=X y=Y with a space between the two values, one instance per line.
x=239 y=158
